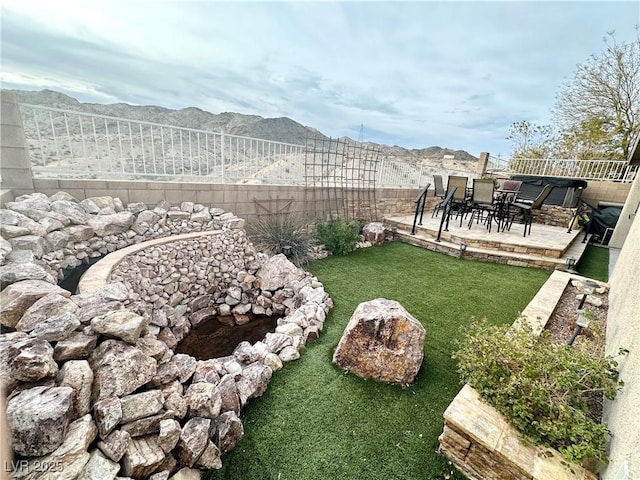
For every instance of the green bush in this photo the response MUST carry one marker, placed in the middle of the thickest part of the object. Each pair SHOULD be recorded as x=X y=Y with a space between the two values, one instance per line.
x=339 y=236
x=273 y=233
x=540 y=386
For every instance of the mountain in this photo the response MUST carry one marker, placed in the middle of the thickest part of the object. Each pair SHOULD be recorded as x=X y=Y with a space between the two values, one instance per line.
x=281 y=129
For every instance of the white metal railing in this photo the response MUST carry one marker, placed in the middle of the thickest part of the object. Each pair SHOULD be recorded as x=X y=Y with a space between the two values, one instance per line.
x=69 y=144
x=610 y=170
x=78 y=144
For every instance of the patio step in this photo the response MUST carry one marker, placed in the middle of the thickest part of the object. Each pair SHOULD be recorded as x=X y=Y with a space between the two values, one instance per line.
x=495 y=251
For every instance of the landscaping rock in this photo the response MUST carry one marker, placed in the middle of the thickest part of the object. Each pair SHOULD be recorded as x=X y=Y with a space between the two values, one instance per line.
x=122 y=324
x=18 y=297
x=78 y=375
x=276 y=272
x=7 y=382
x=203 y=400
x=76 y=346
x=382 y=341
x=193 y=440
x=38 y=419
x=100 y=467
x=253 y=382
x=67 y=461
x=107 y=413
x=119 y=369
x=115 y=445
x=169 y=434
x=142 y=458
x=32 y=360
x=229 y=431
x=56 y=328
x=141 y=405
x=50 y=305
x=374 y=233
x=16 y=272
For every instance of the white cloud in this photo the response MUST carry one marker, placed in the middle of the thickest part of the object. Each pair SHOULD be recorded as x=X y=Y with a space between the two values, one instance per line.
x=450 y=73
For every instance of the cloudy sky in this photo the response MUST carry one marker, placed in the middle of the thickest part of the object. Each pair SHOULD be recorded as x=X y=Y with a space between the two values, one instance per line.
x=416 y=74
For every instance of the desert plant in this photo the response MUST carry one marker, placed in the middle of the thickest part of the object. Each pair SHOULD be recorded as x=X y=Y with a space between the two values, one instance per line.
x=339 y=236
x=540 y=386
x=283 y=233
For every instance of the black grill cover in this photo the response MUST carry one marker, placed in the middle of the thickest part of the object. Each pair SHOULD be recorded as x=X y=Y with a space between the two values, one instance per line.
x=532 y=186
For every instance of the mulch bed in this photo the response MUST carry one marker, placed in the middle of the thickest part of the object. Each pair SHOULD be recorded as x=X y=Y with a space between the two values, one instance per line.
x=562 y=324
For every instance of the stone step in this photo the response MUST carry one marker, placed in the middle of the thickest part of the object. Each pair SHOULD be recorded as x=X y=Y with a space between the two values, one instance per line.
x=492 y=252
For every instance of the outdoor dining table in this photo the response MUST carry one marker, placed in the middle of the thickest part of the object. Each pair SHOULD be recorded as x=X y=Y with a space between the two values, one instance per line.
x=503 y=198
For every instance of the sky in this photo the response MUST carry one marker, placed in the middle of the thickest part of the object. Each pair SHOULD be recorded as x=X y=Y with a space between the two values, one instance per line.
x=415 y=74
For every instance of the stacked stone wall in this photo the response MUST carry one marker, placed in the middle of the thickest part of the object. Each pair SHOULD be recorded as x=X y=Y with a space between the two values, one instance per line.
x=94 y=388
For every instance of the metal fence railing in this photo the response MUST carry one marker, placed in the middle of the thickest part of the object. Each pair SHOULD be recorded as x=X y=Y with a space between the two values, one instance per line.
x=78 y=144
x=602 y=170
x=70 y=144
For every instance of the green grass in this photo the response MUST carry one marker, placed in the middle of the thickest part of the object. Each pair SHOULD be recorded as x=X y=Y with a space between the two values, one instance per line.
x=314 y=422
x=594 y=263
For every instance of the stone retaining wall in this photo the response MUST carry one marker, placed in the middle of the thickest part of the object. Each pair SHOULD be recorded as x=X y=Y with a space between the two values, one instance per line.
x=94 y=387
x=62 y=233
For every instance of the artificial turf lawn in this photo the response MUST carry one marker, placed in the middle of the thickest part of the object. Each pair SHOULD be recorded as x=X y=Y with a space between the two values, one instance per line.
x=316 y=422
x=594 y=263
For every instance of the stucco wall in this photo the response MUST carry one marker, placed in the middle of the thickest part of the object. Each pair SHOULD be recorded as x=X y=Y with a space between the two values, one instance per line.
x=14 y=157
x=614 y=192
x=623 y=331
x=627 y=217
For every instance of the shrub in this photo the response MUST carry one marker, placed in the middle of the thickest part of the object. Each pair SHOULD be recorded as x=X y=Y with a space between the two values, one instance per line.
x=339 y=236
x=540 y=386
x=273 y=233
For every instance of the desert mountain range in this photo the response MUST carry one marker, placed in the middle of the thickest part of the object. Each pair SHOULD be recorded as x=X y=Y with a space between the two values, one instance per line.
x=281 y=129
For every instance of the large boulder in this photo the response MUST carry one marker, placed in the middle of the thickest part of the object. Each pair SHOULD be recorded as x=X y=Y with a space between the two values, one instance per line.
x=374 y=233
x=33 y=205
x=35 y=243
x=7 y=382
x=142 y=458
x=25 y=224
x=382 y=341
x=73 y=211
x=276 y=272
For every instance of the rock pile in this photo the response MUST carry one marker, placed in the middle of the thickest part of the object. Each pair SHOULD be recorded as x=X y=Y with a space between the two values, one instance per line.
x=44 y=236
x=94 y=387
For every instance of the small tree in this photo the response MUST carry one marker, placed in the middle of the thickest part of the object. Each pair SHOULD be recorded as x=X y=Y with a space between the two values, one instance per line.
x=598 y=111
x=530 y=140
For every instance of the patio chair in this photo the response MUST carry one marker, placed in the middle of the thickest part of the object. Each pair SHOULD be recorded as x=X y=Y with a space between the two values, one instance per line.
x=482 y=201
x=511 y=185
x=459 y=200
x=526 y=209
x=439 y=192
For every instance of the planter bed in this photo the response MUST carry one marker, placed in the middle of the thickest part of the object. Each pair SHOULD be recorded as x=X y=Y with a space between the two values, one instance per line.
x=481 y=443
